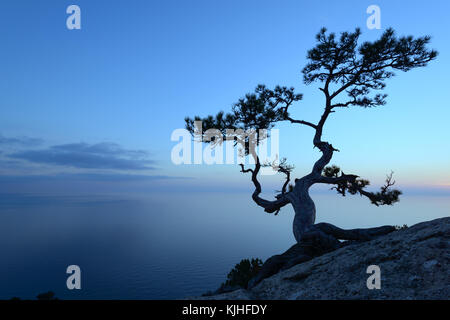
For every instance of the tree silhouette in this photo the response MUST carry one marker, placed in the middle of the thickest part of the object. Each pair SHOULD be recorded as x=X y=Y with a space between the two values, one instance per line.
x=341 y=67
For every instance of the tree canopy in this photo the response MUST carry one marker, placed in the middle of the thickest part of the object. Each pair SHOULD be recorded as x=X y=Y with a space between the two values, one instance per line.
x=349 y=75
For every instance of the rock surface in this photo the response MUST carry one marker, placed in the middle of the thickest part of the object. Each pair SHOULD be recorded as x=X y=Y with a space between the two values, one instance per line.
x=414 y=264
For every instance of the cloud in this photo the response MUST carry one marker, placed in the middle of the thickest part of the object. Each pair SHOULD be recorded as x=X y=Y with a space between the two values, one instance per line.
x=19 y=141
x=104 y=148
x=89 y=156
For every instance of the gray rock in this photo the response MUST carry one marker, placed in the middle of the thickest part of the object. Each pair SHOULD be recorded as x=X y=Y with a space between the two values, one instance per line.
x=414 y=264
x=430 y=264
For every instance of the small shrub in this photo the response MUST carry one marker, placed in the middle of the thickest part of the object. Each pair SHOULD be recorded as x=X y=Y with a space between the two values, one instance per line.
x=242 y=272
x=46 y=296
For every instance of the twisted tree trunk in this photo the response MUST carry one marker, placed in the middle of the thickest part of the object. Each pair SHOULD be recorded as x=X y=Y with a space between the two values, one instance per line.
x=312 y=239
x=304 y=207
x=304 y=227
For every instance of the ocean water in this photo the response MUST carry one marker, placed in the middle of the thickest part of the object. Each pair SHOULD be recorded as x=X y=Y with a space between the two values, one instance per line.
x=160 y=245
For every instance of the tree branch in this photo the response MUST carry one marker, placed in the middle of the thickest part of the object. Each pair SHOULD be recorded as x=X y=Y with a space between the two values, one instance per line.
x=350 y=183
x=269 y=206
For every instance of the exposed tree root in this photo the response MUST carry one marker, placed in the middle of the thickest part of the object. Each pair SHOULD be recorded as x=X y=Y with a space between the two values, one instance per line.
x=318 y=240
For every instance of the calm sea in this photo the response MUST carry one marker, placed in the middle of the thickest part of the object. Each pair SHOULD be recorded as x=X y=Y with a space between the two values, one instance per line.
x=159 y=246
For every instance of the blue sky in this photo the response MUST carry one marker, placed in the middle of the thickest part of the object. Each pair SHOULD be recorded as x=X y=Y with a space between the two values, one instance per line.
x=105 y=99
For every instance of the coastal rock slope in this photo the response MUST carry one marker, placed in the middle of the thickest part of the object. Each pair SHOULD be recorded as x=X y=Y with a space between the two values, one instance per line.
x=414 y=264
